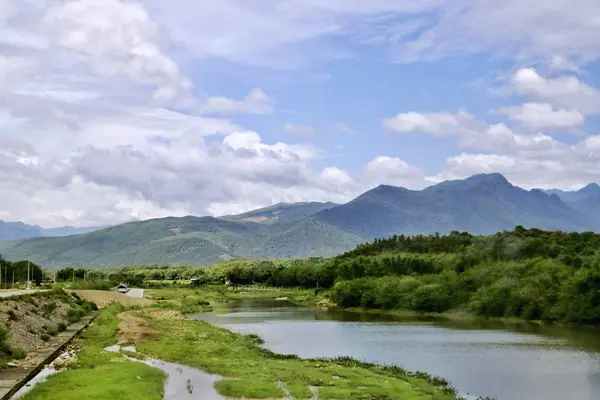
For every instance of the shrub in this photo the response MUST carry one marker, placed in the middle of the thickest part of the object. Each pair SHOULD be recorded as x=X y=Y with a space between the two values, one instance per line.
x=52 y=331
x=3 y=334
x=45 y=337
x=75 y=314
x=49 y=308
x=19 y=353
x=61 y=327
x=89 y=306
x=12 y=316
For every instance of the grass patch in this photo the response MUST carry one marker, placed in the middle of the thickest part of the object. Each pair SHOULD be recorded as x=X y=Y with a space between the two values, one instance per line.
x=253 y=372
x=101 y=375
x=18 y=353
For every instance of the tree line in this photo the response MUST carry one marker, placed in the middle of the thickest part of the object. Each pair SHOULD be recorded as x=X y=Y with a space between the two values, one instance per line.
x=16 y=271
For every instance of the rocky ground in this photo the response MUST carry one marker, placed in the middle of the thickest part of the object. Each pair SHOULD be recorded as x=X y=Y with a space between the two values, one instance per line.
x=102 y=298
x=30 y=319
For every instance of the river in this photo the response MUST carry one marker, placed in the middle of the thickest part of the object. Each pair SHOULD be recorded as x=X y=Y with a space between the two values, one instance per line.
x=506 y=362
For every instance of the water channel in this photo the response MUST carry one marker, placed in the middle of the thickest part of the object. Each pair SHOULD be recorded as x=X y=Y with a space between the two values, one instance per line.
x=506 y=362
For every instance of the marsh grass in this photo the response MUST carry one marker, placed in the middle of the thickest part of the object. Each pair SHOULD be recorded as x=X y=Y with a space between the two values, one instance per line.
x=101 y=375
x=250 y=371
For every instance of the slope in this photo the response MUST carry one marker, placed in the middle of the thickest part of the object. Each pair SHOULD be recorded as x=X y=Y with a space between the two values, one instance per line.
x=586 y=200
x=169 y=240
x=481 y=204
x=281 y=212
x=19 y=230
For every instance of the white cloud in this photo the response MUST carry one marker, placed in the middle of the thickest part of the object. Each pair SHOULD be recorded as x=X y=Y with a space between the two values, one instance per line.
x=526 y=29
x=298 y=129
x=341 y=127
x=543 y=115
x=393 y=171
x=116 y=38
x=566 y=91
x=435 y=123
x=295 y=32
x=257 y=102
x=560 y=63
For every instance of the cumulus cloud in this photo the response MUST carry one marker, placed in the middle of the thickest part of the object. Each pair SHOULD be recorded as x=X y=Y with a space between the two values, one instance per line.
x=393 y=171
x=257 y=102
x=435 y=123
x=116 y=38
x=544 y=116
x=565 y=91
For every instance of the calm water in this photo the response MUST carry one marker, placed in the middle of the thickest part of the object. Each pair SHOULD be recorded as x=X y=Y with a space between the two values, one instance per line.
x=517 y=362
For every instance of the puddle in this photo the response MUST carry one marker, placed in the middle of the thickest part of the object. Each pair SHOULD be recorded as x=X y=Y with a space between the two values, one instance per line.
x=186 y=383
x=183 y=382
x=53 y=368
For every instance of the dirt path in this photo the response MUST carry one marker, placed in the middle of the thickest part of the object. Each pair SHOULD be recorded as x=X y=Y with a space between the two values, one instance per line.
x=102 y=298
x=134 y=329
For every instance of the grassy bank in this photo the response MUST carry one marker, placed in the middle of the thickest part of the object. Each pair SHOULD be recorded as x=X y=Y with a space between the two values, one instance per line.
x=97 y=374
x=248 y=370
x=253 y=372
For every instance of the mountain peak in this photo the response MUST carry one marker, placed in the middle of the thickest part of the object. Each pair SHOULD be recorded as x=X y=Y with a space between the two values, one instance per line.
x=593 y=189
x=495 y=178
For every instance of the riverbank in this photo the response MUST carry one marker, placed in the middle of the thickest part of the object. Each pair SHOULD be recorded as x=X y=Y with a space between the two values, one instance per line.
x=247 y=370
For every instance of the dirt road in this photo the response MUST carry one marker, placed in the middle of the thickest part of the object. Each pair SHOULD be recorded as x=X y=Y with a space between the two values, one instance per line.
x=9 y=293
x=103 y=298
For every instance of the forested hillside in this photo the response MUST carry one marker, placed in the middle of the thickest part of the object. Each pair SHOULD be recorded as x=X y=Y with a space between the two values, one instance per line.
x=481 y=205
x=529 y=274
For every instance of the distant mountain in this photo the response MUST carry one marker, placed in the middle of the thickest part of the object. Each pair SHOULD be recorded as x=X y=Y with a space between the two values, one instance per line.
x=481 y=204
x=281 y=212
x=19 y=230
x=586 y=200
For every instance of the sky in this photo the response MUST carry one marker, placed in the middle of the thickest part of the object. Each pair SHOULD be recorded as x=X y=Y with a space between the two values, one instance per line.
x=116 y=110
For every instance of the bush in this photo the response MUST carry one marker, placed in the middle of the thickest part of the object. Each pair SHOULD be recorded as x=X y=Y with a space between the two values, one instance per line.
x=75 y=314
x=61 y=327
x=19 y=353
x=45 y=337
x=12 y=316
x=3 y=334
x=89 y=306
x=49 y=308
x=52 y=331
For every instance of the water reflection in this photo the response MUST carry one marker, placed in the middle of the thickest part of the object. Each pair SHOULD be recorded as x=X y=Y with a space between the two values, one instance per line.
x=506 y=361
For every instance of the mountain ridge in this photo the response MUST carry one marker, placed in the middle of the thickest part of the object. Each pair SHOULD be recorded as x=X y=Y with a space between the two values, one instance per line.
x=481 y=204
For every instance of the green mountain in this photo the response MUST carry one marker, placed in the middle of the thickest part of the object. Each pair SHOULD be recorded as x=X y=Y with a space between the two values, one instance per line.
x=482 y=204
x=19 y=230
x=281 y=212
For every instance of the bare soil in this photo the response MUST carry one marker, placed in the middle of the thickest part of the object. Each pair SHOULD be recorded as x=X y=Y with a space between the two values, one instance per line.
x=28 y=318
x=102 y=298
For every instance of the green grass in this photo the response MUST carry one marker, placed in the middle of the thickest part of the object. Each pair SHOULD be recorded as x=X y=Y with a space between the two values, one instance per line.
x=248 y=370
x=101 y=375
x=253 y=372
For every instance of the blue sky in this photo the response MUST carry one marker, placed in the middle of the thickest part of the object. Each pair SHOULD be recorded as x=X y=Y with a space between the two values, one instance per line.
x=114 y=110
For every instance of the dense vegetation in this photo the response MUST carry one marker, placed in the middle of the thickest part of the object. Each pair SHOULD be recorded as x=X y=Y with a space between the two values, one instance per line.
x=16 y=271
x=529 y=274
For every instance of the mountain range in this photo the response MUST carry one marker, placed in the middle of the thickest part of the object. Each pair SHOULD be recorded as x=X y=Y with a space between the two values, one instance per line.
x=19 y=230
x=481 y=204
